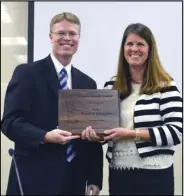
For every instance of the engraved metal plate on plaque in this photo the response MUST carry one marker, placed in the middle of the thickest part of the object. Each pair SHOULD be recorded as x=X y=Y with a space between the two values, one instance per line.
x=78 y=109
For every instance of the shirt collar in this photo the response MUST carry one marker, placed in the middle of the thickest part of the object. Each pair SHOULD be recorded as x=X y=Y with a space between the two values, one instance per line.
x=58 y=66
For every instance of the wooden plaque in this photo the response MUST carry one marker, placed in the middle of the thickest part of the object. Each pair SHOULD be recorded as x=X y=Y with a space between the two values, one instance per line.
x=79 y=109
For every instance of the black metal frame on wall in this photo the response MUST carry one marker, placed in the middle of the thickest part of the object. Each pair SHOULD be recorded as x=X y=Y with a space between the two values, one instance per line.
x=30 y=47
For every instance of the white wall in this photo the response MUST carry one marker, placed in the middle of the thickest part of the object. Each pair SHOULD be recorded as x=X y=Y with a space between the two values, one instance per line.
x=13 y=27
x=103 y=24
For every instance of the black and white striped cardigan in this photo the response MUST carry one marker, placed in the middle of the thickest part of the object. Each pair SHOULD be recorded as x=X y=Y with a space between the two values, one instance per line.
x=161 y=113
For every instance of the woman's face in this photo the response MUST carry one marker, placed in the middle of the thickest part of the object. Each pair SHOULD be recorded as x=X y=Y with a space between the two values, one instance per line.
x=135 y=50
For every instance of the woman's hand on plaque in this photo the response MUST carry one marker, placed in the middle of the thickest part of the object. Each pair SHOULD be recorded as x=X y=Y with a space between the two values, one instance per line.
x=90 y=134
x=119 y=134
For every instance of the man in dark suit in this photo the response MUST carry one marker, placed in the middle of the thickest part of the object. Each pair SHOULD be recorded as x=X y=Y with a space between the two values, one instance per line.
x=30 y=120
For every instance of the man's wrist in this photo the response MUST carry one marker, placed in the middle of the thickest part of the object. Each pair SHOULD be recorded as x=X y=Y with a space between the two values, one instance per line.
x=45 y=139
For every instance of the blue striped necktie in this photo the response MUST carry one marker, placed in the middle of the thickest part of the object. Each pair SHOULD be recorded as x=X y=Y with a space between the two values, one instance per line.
x=70 y=154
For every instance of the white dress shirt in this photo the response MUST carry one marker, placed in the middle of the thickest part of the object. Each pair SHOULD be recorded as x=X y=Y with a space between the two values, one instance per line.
x=58 y=66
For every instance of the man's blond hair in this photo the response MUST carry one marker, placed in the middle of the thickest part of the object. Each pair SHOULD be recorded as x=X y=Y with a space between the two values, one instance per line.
x=65 y=16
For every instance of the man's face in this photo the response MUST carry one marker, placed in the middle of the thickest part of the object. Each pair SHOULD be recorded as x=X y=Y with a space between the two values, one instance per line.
x=64 y=38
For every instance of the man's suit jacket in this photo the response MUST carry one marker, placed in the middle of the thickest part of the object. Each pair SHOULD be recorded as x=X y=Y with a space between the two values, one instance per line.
x=30 y=110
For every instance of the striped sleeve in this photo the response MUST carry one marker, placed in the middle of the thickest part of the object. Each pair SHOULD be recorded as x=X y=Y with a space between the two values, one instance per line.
x=109 y=84
x=171 y=111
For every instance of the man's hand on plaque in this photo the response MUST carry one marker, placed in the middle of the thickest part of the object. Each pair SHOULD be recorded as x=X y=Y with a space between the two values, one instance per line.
x=59 y=136
x=119 y=134
x=90 y=134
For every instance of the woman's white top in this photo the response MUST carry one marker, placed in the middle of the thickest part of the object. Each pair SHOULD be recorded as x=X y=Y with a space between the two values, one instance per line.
x=125 y=154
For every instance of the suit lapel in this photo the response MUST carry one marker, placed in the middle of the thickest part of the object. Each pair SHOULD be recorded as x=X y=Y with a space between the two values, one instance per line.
x=51 y=76
x=49 y=72
x=76 y=83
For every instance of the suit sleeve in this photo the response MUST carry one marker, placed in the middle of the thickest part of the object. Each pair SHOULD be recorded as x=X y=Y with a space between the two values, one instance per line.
x=95 y=158
x=17 y=109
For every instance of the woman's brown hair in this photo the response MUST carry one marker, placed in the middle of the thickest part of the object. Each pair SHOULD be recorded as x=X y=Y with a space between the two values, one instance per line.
x=155 y=75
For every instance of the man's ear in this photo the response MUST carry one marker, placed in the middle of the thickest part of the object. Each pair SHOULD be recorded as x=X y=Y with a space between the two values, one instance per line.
x=50 y=36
